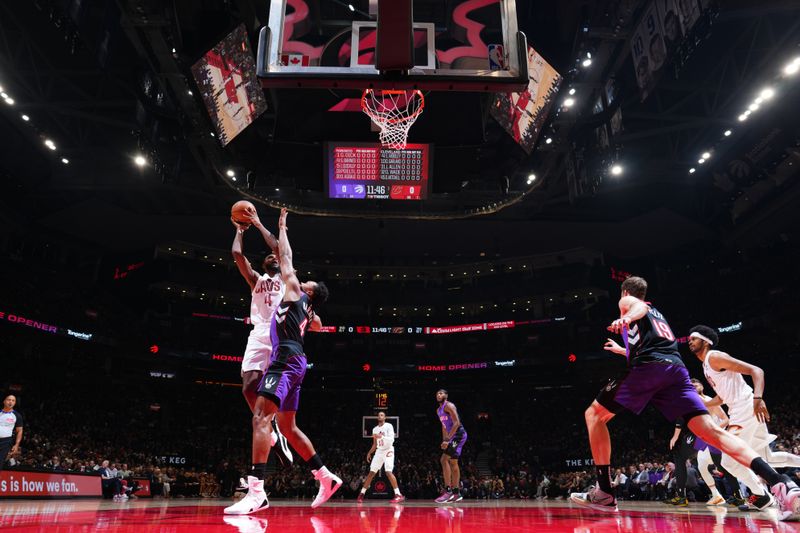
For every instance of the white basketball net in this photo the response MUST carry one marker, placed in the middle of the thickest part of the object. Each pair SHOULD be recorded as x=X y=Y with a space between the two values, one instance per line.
x=394 y=112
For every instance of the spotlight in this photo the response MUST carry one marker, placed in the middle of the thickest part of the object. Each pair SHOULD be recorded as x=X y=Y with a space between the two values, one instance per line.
x=728 y=133
x=531 y=178
x=706 y=155
x=572 y=91
x=587 y=62
x=767 y=93
x=753 y=107
x=212 y=134
x=616 y=170
x=50 y=144
x=233 y=178
x=742 y=117
x=3 y=95
x=350 y=7
x=569 y=102
x=549 y=140
x=65 y=160
x=692 y=170
x=701 y=161
x=793 y=67
x=140 y=161
x=230 y=173
x=10 y=101
x=26 y=118
x=190 y=93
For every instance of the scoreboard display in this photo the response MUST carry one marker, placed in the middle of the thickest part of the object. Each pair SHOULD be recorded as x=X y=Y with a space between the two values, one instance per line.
x=368 y=171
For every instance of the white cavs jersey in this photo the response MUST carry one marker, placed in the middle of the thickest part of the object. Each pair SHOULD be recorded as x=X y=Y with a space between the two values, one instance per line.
x=267 y=294
x=385 y=435
x=732 y=389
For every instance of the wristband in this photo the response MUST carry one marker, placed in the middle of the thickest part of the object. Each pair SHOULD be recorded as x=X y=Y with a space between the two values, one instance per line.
x=758 y=398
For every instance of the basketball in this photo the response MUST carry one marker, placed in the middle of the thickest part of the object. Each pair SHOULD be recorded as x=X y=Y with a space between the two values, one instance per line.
x=242 y=210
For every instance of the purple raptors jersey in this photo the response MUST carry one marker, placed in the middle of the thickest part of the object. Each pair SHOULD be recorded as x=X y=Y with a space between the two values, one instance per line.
x=445 y=419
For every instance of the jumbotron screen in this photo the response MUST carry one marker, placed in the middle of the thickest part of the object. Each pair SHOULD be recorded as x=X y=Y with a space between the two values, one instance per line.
x=367 y=171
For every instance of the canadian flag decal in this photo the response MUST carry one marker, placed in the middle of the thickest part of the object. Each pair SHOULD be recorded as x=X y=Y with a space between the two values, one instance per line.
x=294 y=60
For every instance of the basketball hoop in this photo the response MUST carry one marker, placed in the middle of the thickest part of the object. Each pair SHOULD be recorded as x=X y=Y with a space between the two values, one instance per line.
x=394 y=112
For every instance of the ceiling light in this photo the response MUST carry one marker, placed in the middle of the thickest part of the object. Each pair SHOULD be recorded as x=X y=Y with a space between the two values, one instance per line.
x=350 y=7
x=706 y=155
x=233 y=178
x=701 y=161
x=212 y=134
x=569 y=102
x=230 y=173
x=3 y=94
x=50 y=144
x=190 y=93
x=572 y=91
x=174 y=51
x=140 y=161
x=753 y=107
x=587 y=62
x=692 y=170
x=26 y=118
x=65 y=160
x=10 y=101
x=277 y=190
x=742 y=117
x=616 y=170
x=767 y=93
x=792 y=67
x=549 y=140
x=728 y=133
x=531 y=177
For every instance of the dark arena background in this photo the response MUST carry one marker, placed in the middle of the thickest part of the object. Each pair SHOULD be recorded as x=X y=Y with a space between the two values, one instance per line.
x=554 y=151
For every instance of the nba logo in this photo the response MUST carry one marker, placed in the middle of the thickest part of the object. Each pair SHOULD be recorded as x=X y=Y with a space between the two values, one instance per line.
x=497 y=58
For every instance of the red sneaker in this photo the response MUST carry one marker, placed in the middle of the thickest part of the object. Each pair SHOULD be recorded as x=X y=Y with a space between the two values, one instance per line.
x=398 y=498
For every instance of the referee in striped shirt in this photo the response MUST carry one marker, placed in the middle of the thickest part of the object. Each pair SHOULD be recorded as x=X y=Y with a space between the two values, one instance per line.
x=10 y=429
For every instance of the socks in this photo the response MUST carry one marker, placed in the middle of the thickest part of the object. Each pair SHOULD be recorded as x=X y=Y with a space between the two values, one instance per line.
x=259 y=470
x=760 y=467
x=363 y=490
x=397 y=491
x=315 y=462
x=449 y=488
x=455 y=490
x=604 y=478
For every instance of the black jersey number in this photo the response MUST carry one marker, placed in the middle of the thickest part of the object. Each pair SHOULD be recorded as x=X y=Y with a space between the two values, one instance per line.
x=662 y=329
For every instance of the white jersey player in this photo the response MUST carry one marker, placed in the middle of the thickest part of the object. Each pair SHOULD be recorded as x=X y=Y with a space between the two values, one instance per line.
x=383 y=448
x=266 y=294
x=747 y=412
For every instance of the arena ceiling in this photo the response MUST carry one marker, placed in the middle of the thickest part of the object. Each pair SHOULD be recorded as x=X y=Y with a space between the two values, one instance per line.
x=102 y=82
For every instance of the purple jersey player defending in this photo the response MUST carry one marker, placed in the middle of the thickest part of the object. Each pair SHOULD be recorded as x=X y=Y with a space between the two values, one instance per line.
x=656 y=375
x=453 y=438
x=279 y=390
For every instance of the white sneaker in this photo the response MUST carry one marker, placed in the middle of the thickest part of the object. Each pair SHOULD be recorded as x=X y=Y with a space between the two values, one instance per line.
x=716 y=500
x=595 y=499
x=788 y=502
x=254 y=501
x=329 y=483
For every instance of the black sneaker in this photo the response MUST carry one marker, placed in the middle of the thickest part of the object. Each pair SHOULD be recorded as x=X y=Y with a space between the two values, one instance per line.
x=679 y=501
x=757 y=503
x=281 y=447
x=735 y=502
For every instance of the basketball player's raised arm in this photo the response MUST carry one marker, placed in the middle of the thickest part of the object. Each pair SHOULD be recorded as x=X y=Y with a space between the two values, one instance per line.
x=293 y=290
x=630 y=310
x=245 y=269
x=722 y=361
x=269 y=238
